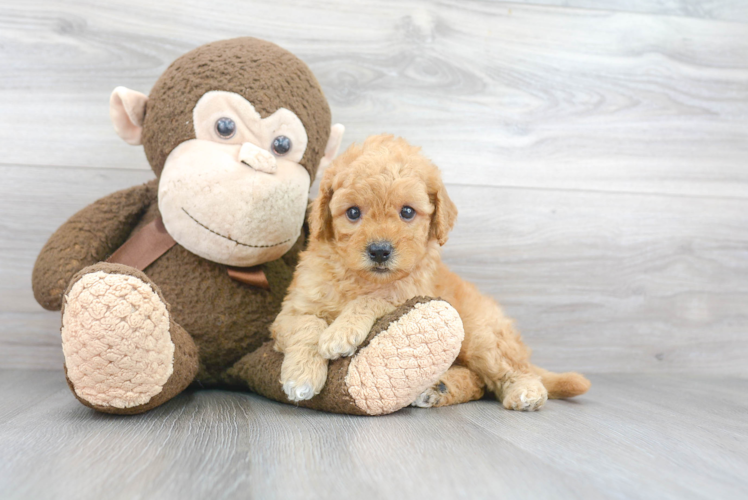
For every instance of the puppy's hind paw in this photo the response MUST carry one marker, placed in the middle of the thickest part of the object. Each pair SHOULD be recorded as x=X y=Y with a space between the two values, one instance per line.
x=431 y=397
x=527 y=395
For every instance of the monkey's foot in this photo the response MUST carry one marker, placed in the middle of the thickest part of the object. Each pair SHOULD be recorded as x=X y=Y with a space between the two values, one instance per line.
x=121 y=348
x=404 y=354
x=412 y=347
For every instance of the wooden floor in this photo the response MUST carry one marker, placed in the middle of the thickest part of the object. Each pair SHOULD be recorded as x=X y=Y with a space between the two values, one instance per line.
x=653 y=436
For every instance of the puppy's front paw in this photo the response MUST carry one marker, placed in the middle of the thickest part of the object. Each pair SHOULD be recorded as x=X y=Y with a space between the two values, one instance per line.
x=340 y=339
x=301 y=392
x=303 y=379
x=524 y=395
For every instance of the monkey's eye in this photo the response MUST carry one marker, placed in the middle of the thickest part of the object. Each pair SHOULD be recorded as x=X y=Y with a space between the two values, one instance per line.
x=353 y=214
x=281 y=145
x=407 y=213
x=225 y=127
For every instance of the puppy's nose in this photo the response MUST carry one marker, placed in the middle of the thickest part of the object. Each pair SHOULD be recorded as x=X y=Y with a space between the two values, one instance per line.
x=380 y=251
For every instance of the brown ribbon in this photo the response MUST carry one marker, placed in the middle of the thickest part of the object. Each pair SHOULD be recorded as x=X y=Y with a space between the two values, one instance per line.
x=144 y=247
x=152 y=241
x=249 y=275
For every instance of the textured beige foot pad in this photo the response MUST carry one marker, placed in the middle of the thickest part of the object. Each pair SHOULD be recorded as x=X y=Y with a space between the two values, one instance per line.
x=116 y=341
x=405 y=359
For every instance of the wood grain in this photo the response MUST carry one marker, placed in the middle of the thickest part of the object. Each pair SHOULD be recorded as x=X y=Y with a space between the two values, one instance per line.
x=725 y=10
x=597 y=153
x=650 y=283
x=497 y=93
x=631 y=437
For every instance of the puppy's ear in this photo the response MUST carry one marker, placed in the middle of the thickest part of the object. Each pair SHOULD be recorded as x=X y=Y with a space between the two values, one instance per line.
x=320 y=218
x=445 y=213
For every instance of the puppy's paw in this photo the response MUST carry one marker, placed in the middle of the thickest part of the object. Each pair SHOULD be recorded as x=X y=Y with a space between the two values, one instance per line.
x=432 y=396
x=525 y=395
x=303 y=378
x=340 y=339
x=301 y=392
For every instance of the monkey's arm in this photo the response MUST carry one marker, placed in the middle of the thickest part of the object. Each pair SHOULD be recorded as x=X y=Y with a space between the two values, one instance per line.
x=88 y=237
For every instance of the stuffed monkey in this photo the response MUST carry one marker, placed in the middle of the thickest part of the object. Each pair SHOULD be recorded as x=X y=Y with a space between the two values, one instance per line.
x=176 y=281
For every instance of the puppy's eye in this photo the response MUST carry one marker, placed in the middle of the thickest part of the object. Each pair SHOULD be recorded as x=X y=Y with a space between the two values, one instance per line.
x=407 y=213
x=353 y=213
x=281 y=145
x=225 y=128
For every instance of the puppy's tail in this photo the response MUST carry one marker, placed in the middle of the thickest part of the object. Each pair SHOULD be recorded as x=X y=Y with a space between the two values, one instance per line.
x=563 y=385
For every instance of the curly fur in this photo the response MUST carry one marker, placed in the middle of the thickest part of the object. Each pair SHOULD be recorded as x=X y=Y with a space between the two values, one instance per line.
x=338 y=291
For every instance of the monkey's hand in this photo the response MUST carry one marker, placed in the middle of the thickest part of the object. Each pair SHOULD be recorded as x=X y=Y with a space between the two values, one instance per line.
x=88 y=237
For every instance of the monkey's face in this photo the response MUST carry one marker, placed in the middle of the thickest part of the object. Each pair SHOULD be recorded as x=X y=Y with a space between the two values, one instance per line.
x=235 y=130
x=236 y=194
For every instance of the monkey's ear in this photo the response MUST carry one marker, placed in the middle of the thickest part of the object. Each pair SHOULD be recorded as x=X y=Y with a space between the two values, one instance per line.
x=127 y=110
x=332 y=148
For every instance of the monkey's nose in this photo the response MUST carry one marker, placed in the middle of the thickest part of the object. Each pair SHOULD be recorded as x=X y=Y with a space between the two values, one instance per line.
x=257 y=158
x=379 y=251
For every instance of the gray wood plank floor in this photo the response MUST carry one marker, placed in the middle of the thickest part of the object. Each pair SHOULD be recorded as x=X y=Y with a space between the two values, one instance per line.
x=632 y=436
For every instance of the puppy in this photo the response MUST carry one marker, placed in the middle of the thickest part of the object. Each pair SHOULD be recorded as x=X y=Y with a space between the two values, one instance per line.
x=377 y=228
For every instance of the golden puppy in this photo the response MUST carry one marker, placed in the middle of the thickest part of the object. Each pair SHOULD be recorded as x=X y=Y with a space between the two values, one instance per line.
x=377 y=228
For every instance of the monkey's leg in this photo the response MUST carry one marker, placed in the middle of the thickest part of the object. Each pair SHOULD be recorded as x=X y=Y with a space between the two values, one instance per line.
x=123 y=351
x=457 y=385
x=405 y=353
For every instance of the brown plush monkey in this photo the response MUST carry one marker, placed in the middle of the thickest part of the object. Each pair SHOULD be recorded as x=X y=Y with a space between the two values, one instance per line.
x=177 y=281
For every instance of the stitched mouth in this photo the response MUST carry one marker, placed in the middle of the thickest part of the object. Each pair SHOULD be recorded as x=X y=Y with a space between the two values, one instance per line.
x=231 y=239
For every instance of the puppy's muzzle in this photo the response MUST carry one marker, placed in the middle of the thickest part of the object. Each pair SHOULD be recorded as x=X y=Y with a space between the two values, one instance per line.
x=380 y=251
